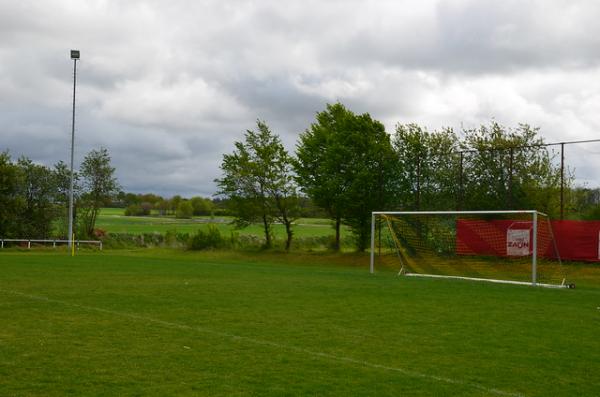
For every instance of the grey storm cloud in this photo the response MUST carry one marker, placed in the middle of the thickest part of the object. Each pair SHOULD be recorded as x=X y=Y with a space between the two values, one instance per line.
x=168 y=87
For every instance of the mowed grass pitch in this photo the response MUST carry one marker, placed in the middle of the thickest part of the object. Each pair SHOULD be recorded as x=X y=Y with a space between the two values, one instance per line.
x=157 y=322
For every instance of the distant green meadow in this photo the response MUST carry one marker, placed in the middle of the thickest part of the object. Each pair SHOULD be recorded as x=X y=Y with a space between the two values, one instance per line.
x=113 y=220
x=158 y=322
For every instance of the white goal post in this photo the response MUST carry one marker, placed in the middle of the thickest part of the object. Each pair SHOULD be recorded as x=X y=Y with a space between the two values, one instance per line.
x=494 y=246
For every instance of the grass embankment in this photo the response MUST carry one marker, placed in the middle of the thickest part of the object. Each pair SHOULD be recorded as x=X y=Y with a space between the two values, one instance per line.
x=166 y=322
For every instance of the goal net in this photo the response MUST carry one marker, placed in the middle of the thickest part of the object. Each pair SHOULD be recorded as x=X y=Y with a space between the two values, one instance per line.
x=515 y=247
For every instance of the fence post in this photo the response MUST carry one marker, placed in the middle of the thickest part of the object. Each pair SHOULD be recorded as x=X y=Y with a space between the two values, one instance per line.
x=460 y=183
x=2 y=243
x=28 y=244
x=418 y=193
x=100 y=245
x=510 y=179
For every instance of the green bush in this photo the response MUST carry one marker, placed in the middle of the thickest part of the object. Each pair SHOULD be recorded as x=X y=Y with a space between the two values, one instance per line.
x=184 y=210
x=202 y=206
x=592 y=214
x=128 y=240
x=134 y=210
x=207 y=239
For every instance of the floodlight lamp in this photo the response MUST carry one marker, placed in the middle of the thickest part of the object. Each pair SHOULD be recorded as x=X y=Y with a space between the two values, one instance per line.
x=74 y=54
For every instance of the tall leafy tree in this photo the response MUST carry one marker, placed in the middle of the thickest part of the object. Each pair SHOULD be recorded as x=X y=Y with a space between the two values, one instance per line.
x=202 y=206
x=509 y=168
x=62 y=175
x=428 y=168
x=345 y=164
x=9 y=205
x=184 y=210
x=36 y=193
x=320 y=164
x=99 y=186
x=282 y=187
x=174 y=202
x=257 y=182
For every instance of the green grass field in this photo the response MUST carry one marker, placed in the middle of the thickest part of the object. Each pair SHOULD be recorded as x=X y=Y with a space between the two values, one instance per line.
x=113 y=220
x=166 y=322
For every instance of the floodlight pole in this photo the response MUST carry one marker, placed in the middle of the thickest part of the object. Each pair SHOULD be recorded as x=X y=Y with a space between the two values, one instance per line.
x=74 y=57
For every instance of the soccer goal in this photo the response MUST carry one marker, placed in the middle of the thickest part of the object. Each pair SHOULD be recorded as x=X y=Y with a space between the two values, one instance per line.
x=513 y=247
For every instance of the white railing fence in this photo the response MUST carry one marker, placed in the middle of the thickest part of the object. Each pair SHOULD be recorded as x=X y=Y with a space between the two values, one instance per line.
x=42 y=241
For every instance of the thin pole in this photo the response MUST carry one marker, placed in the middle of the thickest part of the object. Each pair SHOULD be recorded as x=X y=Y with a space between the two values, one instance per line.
x=562 y=181
x=72 y=151
x=510 y=179
x=534 y=253
x=418 y=195
x=372 y=262
x=460 y=184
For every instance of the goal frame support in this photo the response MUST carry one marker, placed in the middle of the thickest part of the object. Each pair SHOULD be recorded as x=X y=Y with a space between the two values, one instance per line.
x=534 y=215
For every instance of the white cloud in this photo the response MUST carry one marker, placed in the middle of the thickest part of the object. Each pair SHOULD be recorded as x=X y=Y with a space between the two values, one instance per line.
x=185 y=104
x=168 y=87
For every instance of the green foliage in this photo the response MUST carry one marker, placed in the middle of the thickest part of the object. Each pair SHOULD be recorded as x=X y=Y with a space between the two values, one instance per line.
x=99 y=188
x=426 y=177
x=8 y=196
x=34 y=198
x=136 y=210
x=171 y=239
x=207 y=239
x=174 y=202
x=258 y=183
x=592 y=213
x=583 y=203
x=202 y=206
x=62 y=175
x=492 y=167
x=162 y=206
x=29 y=199
x=184 y=210
x=509 y=169
x=345 y=164
x=36 y=194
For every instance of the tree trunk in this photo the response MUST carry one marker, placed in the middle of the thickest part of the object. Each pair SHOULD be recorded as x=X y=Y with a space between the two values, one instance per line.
x=267 y=232
x=336 y=245
x=288 y=230
x=92 y=224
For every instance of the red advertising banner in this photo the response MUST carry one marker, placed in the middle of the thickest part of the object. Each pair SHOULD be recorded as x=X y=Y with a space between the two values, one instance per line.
x=578 y=240
x=575 y=240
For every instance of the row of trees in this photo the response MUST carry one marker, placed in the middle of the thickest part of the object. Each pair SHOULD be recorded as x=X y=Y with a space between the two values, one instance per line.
x=349 y=165
x=34 y=198
x=143 y=204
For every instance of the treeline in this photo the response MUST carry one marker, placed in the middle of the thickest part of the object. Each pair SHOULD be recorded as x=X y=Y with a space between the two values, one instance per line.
x=349 y=166
x=143 y=204
x=34 y=198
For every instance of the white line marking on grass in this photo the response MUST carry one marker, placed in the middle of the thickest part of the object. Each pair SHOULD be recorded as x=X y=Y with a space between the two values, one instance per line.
x=280 y=346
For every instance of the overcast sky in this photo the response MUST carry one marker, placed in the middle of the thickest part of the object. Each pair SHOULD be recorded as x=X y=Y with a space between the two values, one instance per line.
x=168 y=86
